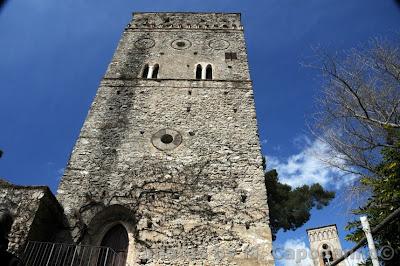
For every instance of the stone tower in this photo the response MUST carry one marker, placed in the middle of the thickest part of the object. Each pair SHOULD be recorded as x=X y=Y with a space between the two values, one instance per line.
x=325 y=245
x=168 y=161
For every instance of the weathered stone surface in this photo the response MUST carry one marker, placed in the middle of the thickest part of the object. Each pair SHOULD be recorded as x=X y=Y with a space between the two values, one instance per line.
x=199 y=198
x=38 y=215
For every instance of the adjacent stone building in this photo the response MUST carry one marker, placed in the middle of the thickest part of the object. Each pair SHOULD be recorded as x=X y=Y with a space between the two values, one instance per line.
x=39 y=216
x=167 y=169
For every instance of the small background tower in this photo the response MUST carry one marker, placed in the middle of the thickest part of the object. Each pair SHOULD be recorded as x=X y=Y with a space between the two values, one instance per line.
x=324 y=241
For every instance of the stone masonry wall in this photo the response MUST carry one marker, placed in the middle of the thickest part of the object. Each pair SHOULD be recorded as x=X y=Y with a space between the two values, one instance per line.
x=199 y=198
x=37 y=214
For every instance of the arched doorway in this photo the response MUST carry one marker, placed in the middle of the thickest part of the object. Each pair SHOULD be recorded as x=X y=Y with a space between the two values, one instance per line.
x=116 y=238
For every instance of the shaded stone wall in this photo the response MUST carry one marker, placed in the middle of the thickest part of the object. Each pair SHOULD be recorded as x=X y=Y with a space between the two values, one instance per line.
x=197 y=198
x=38 y=215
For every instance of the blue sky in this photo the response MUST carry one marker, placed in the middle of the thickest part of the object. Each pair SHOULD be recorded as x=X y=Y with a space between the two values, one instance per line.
x=54 y=53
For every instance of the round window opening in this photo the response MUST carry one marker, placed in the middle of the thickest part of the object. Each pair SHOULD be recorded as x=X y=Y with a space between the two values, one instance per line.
x=167 y=139
x=325 y=246
x=181 y=44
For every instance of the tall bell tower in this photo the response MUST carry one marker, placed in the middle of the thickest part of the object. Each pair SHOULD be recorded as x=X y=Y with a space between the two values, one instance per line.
x=325 y=245
x=168 y=161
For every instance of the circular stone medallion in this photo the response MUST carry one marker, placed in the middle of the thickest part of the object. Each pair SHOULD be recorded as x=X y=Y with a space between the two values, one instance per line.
x=144 y=43
x=218 y=44
x=181 y=44
x=166 y=139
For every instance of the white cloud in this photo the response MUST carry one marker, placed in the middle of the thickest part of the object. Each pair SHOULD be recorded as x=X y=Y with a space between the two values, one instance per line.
x=294 y=253
x=305 y=167
x=355 y=259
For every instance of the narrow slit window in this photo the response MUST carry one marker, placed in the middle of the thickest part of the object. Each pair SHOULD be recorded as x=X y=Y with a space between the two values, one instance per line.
x=209 y=74
x=145 y=71
x=198 y=71
x=155 y=71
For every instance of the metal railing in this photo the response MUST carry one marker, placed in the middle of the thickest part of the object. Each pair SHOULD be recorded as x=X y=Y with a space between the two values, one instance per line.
x=60 y=254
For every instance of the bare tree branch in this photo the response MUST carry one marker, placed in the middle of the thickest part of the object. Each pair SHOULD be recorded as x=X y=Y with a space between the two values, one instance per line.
x=359 y=107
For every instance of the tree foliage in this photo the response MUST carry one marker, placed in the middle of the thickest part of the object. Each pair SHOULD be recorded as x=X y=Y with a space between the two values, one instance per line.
x=290 y=208
x=359 y=119
x=384 y=199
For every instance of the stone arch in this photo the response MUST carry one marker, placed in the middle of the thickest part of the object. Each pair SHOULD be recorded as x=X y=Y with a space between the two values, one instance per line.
x=209 y=72
x=326 y=253
x=112 y=219
x=199 y=69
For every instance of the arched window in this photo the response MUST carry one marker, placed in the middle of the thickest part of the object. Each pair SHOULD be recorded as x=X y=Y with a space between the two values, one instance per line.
x=327 y=255
x=117 y=239
x=155 y=71
x=209 y=74
x=145 y=71
x=198 y=71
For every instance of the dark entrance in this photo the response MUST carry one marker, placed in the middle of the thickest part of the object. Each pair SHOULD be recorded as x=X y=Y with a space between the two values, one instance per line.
x=117 y=239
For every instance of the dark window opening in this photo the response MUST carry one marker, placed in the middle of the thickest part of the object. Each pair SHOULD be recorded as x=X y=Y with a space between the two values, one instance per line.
x=149 y=224
x=209 y=72
x=230 y=56
x=327 y=256
x=143 y=261
x=208 y=198
x=198 y=71
x=180 y=44
x=175 y=196
x=145 y=71
x=167 y=139
x=155 y=71
x=243 y=198
x=117 y=239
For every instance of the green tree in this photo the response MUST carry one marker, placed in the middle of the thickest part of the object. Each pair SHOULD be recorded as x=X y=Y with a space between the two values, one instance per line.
x=290 y=208
x=359 y=119
x=384 y=199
